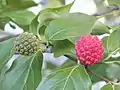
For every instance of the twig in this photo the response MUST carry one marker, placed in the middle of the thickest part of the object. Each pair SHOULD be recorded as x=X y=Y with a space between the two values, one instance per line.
x=107 y=10
x=100 y=77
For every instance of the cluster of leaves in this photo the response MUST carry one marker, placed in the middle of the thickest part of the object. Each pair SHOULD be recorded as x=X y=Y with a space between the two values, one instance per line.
x=60 y=30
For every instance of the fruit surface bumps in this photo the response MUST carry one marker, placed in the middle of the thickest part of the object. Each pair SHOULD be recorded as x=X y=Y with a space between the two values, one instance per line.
x=89 y=50
x=26 y=44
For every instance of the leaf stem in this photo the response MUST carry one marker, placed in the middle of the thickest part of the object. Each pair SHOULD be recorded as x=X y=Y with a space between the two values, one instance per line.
x=100 y=77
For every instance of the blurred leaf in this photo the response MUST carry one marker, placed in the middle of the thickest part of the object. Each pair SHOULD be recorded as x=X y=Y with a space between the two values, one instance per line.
x=113 y=44
x=62 y=47
x=13 y=5
x=60 y=10
x=53 y=3
x=99 y=28
x=46 y=15
x=72 y=78
x=112 y=18
x=3 y=22
x=6 y=52
x=62 y=1
x=25 y=73
x=100 y=4
x=114 y=2
x=107 y=87
x=60 y=28
x=116 y=87
x=22 y=18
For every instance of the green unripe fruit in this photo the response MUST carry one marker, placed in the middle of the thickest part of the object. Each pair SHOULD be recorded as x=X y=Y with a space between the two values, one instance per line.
x=27 y=44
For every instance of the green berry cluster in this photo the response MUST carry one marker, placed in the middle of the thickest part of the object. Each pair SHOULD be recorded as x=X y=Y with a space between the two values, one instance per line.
x=27 y=44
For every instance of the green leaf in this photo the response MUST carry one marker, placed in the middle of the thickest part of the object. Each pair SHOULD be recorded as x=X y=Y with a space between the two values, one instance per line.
x=46 y=15
x=74 y=40
x=51 y=66
x=33 y=26
x=104 y=40
x=25 y=73
x=72 y=78
x=110 y=87
x=22 y=18
x=68 y=63
x=112 y=60
x=107 y=87
x=98 y=69
x=13 y=5
x=6 y=52
x=99 y=28
x=60 y=10
x=113 y=43
x=45 y=18
x=62 y=47
x=113 y=70
x=60 y=28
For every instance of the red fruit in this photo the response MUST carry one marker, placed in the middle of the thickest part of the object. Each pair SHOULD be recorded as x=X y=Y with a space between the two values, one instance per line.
x=89 y=50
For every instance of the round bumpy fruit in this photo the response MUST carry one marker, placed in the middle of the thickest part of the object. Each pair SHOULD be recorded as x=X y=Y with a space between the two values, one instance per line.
x=89 y=50
x=27 y=44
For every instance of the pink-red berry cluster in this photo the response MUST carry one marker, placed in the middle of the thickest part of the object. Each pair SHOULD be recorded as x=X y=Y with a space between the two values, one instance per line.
x=89 y=50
